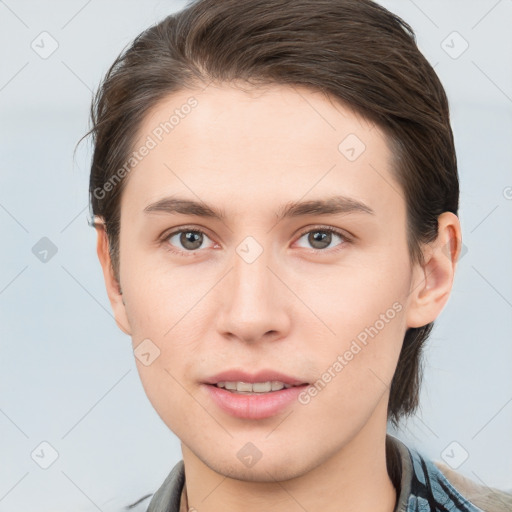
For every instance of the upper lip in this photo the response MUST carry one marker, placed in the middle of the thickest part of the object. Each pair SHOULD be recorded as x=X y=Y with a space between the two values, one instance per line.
x=261 y=376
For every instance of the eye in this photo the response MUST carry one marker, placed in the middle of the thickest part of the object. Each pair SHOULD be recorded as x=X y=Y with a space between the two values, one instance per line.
x=189 y=239
x=321 y=237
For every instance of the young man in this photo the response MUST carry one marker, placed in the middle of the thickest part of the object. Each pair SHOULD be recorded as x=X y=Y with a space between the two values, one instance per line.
x=275 y=191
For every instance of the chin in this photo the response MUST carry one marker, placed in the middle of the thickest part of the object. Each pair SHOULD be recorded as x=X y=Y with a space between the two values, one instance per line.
x=268 y=470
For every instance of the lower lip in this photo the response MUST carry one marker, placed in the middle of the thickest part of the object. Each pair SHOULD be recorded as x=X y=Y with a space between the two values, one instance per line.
x=254 y=407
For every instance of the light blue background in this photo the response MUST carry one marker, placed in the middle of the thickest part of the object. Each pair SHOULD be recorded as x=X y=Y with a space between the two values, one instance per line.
x=67 y=374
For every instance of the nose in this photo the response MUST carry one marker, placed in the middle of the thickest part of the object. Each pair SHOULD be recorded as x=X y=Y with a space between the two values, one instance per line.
x=255 y=303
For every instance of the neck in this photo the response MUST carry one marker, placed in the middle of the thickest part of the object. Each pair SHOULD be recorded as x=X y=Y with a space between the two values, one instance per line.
x=353 y=479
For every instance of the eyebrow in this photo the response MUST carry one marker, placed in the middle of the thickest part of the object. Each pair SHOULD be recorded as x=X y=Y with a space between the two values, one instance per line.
x=331 y=205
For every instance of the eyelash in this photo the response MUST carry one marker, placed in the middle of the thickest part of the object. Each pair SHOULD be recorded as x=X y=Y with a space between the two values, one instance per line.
x=165 y=238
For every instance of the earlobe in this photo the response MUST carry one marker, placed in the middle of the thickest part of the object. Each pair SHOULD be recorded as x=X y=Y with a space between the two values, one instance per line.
x=112 y=285
x=432 y=284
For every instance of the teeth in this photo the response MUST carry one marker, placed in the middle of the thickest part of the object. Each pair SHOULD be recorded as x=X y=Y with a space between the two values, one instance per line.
x=256 y=387
x=243 y=386
x=260 y=387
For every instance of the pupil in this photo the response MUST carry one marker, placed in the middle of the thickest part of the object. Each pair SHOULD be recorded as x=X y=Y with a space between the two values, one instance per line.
x=191 y=237
x=322 y=238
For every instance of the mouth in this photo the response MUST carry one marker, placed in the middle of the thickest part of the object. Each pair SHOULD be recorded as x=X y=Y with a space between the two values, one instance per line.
x=253 y=388
x=264 y=381
x=253 y=396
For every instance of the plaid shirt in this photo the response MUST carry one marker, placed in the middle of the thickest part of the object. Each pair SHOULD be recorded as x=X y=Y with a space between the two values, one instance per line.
x=423 y=487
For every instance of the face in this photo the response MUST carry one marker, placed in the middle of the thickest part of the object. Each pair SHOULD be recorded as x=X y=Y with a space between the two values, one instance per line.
x=248 y=286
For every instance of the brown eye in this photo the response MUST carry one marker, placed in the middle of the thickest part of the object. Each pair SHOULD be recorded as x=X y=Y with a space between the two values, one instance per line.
x=321 y=238
x=186 y=240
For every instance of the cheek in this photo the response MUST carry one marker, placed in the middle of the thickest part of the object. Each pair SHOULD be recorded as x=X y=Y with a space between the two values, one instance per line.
x=166 y=391
x=369 y=348
x=354 y=378
x=158 y=298
x=361 y=297
x=366 y=313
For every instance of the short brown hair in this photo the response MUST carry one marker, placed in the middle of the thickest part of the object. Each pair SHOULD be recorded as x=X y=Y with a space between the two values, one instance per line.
x=353 y=50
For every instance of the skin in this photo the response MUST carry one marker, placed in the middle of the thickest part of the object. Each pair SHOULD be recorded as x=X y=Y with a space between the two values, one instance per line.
x=294 y=309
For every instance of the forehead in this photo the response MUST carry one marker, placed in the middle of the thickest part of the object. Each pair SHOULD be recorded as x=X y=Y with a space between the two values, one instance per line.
x=271 y=144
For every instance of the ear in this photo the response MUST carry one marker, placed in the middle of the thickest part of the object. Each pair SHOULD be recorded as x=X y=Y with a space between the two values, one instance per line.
x=433 y=281
x=113 y=287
